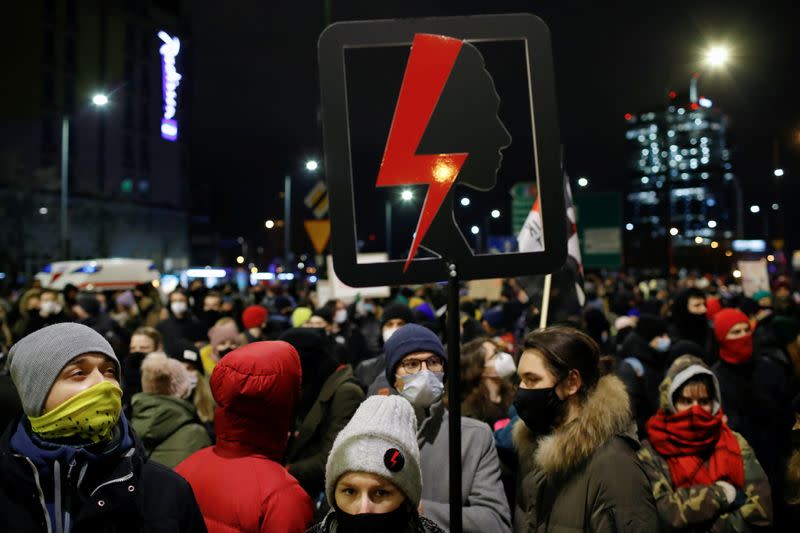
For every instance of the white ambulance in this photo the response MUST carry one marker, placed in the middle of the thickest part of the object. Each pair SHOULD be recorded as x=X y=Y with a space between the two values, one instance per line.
x=99 y=274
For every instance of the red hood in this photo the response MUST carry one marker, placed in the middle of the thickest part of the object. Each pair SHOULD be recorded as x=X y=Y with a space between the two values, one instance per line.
x=256 y=388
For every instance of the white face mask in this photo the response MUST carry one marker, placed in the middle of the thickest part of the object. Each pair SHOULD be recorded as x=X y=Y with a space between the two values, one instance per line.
x=340 y=316
x=504 y=365
x=424 y=388
x=192 y=383
x=388 y=332
x=663 y=344
x=50 y=307
x=178 y=307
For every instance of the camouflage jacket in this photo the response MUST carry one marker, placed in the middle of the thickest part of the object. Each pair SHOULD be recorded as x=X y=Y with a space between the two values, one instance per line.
x=704 y=507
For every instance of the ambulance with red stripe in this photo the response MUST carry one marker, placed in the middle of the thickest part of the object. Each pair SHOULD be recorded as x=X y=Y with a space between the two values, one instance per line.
x=99 y=274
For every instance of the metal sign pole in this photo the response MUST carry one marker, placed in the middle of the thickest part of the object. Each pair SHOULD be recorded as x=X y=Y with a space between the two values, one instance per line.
x=454 y=397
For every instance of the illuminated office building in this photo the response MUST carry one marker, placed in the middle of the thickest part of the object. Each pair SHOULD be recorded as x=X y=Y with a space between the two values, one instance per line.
x=681 y=173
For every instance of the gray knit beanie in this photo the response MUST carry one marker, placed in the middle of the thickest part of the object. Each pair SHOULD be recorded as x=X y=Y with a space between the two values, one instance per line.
x=380 y=439
x=37 y=359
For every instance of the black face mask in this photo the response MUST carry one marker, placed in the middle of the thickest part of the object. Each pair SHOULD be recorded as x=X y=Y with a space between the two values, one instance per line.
x=392 y=522
x=226 y=351
x=137 y=355
x=538 y=408
x=796 y=438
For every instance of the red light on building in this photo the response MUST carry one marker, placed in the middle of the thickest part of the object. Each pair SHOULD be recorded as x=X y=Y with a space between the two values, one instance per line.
x=673 y=95
x=695 y=105
x=628 y=116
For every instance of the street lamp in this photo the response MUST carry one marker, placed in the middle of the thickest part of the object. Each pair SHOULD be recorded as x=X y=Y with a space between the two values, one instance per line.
x=495 y=213
x=583 y=182
x=405 y=196
x=755 y=209
x=465 y=201
x=269 y=224
x=99 y=100
x=778 y=172
x=311 y=166
x=717 y=56
x=673 y=231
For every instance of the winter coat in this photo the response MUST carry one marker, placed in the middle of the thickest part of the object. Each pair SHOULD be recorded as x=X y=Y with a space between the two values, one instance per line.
x=419 y=524
x=705 y=506
x=737 y=389
x=485 y=505
x=367 y=370
x=175 y=331
x=585 y=476
x=240 y=483
x=642 y=370
x=169 y=428
x=119 y=491
x=338 y=399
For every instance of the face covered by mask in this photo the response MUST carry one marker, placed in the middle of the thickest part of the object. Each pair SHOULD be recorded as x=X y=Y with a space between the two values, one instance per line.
x=387 y=332
x=91 y=414
x=178 y=308
x=392 y=522
x=504 y=365
x=423 y=389
x=340 y=316
x=663 y=344
x=539 y=408
x=49 y=307
x=222 y=353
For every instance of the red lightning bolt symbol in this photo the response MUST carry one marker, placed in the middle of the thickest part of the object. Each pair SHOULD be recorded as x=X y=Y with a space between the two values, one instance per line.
x=394 y=457
x=429 y=65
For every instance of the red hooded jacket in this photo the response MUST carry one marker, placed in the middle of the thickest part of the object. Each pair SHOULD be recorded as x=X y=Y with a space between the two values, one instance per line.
x=239 y=483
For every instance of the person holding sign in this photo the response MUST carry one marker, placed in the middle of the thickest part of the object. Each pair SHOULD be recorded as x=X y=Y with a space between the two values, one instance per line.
x=416 y=366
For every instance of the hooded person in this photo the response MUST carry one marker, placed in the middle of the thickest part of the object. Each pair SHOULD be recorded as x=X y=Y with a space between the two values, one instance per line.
x=576 y=442
x=371 y=373
x=645 y=355
x=416 y=366
x=688 y=322
x=704 y=476
x=162 y=416
x=240 y=483
x=373 y=480
x=735 y=369
x=72 y=462
x=329 y=397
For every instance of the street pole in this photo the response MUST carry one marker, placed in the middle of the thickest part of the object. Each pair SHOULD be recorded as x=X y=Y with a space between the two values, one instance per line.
x=64 y=187
x=287 y=211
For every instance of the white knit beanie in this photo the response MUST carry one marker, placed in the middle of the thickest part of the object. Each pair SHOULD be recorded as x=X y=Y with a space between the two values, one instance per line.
x=165 y=376
x=380 y=439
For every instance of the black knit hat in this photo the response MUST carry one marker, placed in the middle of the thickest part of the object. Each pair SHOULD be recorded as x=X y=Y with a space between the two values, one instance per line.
x=650 y=326
x=409 y=339
x=397 y=310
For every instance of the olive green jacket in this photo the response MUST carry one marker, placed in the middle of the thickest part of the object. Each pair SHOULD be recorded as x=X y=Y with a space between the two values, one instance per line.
x=168 y=427
x=338 y=399
x=585 y=476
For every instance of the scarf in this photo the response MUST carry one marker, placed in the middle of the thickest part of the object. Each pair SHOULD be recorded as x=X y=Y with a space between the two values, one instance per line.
x=699 y=447
x=736 y=351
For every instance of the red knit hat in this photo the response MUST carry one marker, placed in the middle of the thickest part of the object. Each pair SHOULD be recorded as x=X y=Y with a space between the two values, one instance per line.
x=725 y=320
x=254 y=316
x=713 y=306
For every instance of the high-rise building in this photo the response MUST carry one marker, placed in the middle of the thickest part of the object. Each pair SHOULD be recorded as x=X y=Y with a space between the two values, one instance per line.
x=128 y=191
x=683 y=188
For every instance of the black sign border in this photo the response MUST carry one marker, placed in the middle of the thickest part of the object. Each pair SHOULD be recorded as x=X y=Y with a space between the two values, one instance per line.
x=338 y=162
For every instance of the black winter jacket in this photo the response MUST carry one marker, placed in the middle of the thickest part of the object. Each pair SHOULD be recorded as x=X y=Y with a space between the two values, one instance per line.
x=123 y=494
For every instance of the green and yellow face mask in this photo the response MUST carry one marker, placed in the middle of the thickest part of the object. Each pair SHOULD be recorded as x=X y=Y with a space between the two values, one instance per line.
x=90 y=415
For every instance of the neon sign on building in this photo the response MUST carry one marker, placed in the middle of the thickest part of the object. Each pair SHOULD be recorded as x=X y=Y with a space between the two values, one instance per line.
x=170 y=79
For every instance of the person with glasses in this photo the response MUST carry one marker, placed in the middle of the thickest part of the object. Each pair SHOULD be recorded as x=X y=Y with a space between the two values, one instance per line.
x=416 y=368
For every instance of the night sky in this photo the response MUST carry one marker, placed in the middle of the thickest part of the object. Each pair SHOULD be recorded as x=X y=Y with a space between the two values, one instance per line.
x=255 y=92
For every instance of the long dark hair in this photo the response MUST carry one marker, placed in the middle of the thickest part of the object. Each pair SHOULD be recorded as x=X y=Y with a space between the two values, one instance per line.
x=565 y=349
x=474 y=393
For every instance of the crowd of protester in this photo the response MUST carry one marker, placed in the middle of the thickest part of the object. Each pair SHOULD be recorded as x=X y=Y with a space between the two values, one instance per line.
x=660 y=405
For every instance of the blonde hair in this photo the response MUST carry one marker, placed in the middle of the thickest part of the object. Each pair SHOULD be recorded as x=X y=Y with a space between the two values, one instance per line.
x=203 y=399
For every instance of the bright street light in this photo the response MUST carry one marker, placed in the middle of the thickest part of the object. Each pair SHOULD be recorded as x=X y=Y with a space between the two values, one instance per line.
x=698 y=240
x=43 y=210
x=778 y=172
x=465 y=201
x=269 y=224
x=406 y=195
x=673 y=231
x=240 y=260
x=712 y=224
x=714 y=244
x=475 y=230
x=770 y=258
x=583 y=182
x=100 y=99
x=312 y=165
x=629 y=226
x=754 y=209
x=495 y=213
x=717 y=56
x=775 y=207
x=737 y=273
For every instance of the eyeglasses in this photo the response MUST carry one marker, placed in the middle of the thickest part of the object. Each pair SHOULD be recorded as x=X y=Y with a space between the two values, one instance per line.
x=412 y=366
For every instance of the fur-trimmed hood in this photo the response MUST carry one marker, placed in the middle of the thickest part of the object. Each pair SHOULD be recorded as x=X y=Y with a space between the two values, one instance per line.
x=605 y=413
